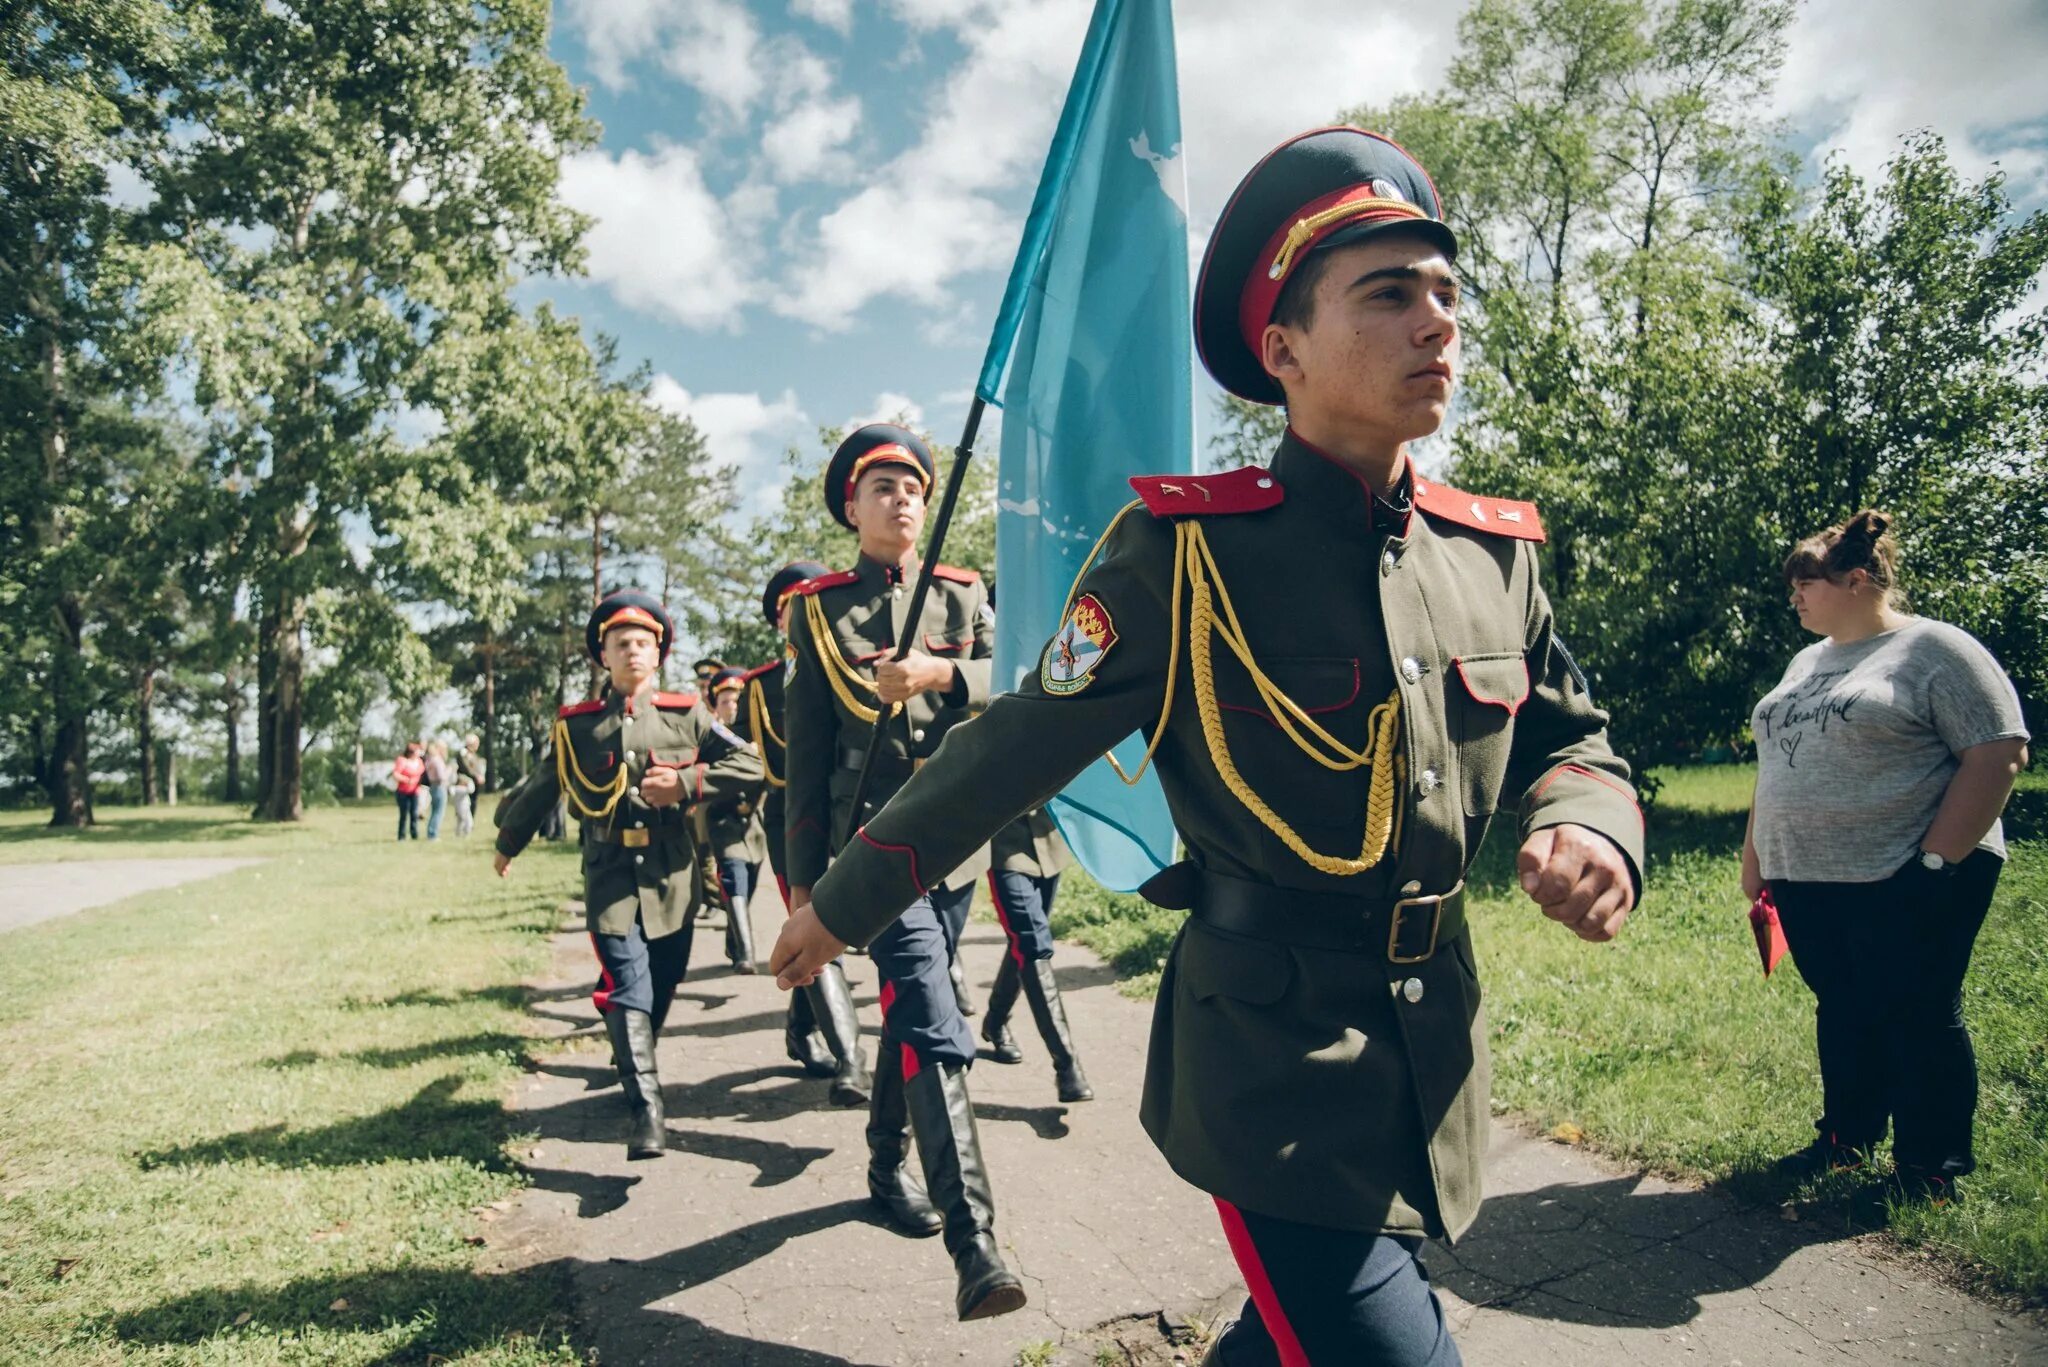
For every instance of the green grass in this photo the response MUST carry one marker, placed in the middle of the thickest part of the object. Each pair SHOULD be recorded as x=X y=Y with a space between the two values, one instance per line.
x=1668 y=1048
x=256 y=1119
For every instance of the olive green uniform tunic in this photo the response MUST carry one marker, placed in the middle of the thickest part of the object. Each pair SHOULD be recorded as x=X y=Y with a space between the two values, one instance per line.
x=1331 y=1087
x=830 y=704
x=640 y=862
x=1032 y=845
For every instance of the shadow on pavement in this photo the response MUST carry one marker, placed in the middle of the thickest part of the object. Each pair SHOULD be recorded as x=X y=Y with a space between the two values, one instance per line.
x=1608 y=1253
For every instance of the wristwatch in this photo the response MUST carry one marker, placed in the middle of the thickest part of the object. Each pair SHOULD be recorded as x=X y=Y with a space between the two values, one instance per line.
x=1934 y=863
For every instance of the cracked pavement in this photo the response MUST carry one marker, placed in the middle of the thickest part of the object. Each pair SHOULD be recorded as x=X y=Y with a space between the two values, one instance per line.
x=752 y=1244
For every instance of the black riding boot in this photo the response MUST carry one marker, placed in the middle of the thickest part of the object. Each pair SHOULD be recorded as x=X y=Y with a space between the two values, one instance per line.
x=995 y=1026
x=632 y=1035
x=890 y=1183
x=800 y=1037
x=1051 y=1014
x=954 y=1173
x=960 y=992
x=739 y=937
x=832 y=1007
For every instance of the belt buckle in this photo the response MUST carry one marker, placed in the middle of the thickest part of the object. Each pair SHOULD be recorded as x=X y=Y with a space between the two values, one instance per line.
x=634 y=839
x=1434 y=901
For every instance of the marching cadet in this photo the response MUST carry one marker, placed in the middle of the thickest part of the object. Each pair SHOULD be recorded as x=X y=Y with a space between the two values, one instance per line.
x=629 y=763
x=735 y=835
x=1029 y=855
x=822 y=1033
x=1344 y=667
x=843 y=684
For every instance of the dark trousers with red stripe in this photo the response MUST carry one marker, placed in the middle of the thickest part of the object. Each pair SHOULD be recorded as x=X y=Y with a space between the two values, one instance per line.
x=919 y=1010
x=1331 y=1296
x=639 y=974
x=1024 y=906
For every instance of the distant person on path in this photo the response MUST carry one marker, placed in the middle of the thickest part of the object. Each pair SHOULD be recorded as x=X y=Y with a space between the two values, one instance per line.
x=629 y=763
x=1884 y=758
x=438 y=775
x=406 y=773
x=469 y=783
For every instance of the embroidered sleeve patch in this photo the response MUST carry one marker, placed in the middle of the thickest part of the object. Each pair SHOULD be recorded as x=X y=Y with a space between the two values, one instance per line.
x=1080 y=645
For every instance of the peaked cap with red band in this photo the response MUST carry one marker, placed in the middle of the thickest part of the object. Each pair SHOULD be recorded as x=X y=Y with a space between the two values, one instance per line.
x=879 y=443
x=727 y=678
x=783 y=582
x=1320 y=190
x=628 y=608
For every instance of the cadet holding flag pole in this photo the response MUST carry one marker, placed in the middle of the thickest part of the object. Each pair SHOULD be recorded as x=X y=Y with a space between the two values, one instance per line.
x=877 y=678
x=1343 y=669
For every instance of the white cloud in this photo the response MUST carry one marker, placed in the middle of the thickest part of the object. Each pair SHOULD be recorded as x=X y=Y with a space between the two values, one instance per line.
x=890 y=406
x=663 y=243
x=833 y=14
x=743 y=430
x=1865 y=72
x=807 y=139
x=714 y=45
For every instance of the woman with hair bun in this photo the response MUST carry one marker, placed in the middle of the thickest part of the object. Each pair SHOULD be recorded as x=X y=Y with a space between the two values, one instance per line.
x=1884 y=758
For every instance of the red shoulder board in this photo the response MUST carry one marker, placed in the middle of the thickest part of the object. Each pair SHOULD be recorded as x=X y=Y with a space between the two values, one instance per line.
x=956 y=574
x=828 y=581
x=1501 y=516
x=758 y=670
x=1248 y=489
x=577 y=709
x=680 y=702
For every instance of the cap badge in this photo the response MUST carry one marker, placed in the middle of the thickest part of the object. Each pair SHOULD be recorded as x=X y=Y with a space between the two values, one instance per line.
x=1386 y=189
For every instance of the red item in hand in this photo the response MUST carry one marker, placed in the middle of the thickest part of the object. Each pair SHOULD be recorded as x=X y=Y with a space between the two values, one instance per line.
x=1770 y=935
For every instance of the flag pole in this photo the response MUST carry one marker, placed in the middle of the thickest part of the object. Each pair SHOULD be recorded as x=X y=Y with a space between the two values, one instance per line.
x=963 y=454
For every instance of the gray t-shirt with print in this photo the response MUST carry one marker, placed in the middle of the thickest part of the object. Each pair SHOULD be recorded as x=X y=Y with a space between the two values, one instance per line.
x=1856 y=745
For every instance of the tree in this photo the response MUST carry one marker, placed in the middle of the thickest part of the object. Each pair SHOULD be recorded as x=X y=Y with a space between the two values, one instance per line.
x=79 y=93
x=354 y=186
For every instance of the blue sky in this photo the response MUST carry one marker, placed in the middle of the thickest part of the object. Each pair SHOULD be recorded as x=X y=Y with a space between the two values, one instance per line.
x=806 y=208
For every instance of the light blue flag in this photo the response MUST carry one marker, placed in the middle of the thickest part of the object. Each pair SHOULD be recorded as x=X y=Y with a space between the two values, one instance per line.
x=1101 y=383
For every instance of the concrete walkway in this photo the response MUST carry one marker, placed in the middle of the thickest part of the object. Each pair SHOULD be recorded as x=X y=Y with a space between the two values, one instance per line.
x=40 y=892
x=752 y=1243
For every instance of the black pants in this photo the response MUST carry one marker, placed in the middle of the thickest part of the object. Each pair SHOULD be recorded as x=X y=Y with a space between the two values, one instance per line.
x=1886 y=962
x=408 y=815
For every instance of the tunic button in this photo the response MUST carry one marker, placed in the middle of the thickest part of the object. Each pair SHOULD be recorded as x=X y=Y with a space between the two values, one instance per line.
x=638 y=824
x=1412 y=989
x=634 y=790
x=1386 y=562
x=629 y=753
x=1411 y=889
x=917 y=734
x=1411 y=669
x=639 y=859
x=1431 y=780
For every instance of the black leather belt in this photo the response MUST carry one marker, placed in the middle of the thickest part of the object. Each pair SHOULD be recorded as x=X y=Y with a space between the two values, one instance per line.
x=855 y=756
x=1407 y=929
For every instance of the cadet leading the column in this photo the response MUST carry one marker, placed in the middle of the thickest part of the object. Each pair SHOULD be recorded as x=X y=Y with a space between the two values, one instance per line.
x=843 y=684
x=1343 y=667
x=629 y=762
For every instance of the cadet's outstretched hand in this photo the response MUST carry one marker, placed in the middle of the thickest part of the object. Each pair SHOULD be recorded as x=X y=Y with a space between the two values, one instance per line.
x=900 y=680
x=502 y=863
x=804 y=947
x=1579 y=878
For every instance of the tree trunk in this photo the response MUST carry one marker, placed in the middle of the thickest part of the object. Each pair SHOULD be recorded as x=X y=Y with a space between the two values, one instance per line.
x=596 y=582
x=171 y=775
x=359 y=768
x=145 y=736
x=233 y=787
x=281 y=770
x=266 y=704
x=490 y=783
x=70 y=777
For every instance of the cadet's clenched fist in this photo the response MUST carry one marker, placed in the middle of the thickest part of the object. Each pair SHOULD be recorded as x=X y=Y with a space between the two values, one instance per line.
x=1580 y=878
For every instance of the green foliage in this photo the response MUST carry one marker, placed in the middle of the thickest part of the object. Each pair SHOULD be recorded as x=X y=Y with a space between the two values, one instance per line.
x=1689 y=363
x=287 y=1175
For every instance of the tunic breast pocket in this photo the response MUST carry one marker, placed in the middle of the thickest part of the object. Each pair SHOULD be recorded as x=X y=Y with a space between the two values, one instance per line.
x=1484 y=692
x=1324 y=804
